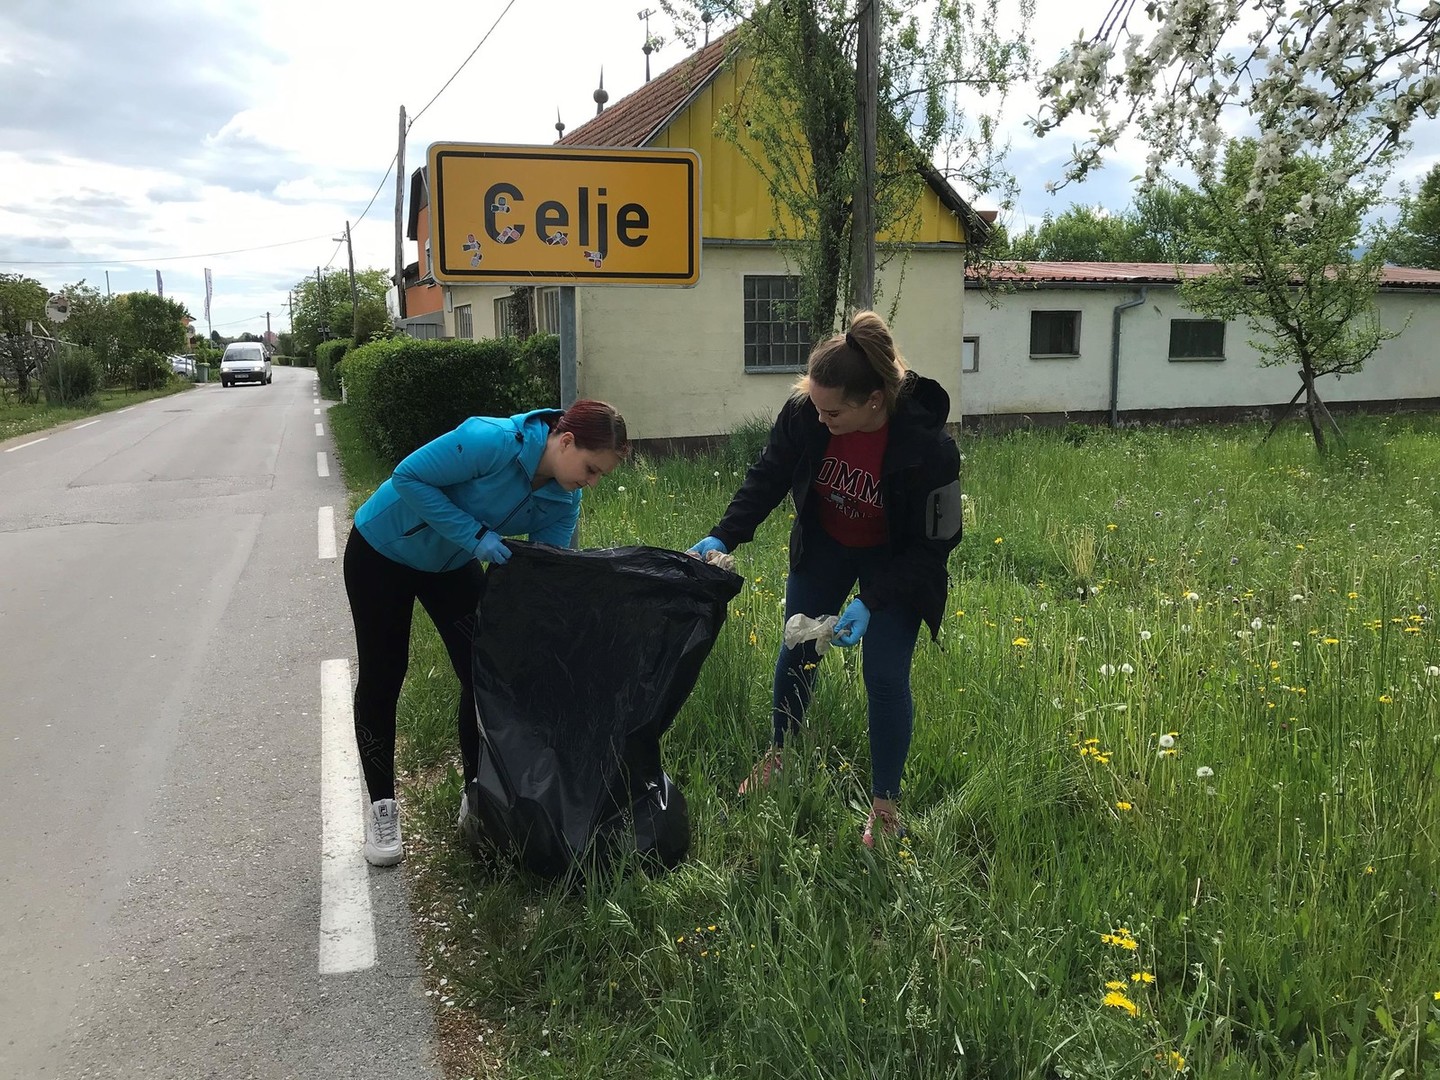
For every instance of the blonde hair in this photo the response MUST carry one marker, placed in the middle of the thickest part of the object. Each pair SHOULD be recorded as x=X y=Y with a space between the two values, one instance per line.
x=857 y=363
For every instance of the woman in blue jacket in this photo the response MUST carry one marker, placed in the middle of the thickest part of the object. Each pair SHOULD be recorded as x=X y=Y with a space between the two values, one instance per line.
x=423 y=535
x=861 y=447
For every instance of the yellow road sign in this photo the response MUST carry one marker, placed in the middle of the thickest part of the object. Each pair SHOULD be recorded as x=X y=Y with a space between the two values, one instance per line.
x=531 y=215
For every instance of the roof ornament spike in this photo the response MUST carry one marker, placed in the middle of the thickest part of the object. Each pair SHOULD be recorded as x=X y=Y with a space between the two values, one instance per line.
x=600 y=96
x=651 y=43
x=559 y=125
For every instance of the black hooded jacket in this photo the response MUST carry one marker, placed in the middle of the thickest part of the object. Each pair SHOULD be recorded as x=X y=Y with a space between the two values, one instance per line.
x=920 y=482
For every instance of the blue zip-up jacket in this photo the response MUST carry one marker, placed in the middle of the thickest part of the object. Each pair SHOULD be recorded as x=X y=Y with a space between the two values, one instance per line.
x=441 y=499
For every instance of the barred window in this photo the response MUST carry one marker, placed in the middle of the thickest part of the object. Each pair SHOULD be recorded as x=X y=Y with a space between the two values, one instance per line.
x=777 y=338
x=1197 y=339
x=547 y=305
x=464 y=324
x=1054 y=333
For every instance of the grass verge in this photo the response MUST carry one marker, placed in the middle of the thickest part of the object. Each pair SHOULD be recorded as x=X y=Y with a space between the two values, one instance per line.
x=1173 y=796
x=18 y=419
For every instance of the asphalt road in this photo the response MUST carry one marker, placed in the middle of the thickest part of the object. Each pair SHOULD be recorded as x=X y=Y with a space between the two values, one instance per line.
x=167 y=608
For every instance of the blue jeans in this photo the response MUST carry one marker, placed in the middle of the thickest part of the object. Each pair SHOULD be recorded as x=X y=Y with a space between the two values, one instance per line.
x=820 y=586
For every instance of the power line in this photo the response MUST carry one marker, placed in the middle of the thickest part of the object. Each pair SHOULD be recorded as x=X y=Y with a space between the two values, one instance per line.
x=462 y=65
x=147 y=259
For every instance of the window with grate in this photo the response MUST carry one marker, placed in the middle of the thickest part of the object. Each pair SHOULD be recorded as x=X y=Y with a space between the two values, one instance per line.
x=464 y=323
x=777 y=338
x=547 y=310
x=1054 y=333
x=1197 y=339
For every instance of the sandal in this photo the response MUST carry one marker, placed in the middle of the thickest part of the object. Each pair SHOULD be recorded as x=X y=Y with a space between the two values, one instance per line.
x=765 y=772
x=882 y=822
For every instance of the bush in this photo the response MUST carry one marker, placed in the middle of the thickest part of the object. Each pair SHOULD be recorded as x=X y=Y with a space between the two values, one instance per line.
x=282 y=360
x=149 y=370
x=541 y=354
x=328 y=356
x=406 y=391
x=72 y=377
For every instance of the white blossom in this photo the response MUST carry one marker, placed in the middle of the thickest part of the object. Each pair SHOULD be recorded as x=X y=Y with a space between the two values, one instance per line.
x=1204 y=772
x=1167 y=741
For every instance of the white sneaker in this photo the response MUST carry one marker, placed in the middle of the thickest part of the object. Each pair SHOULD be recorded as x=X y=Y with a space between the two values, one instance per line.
x=382 y=834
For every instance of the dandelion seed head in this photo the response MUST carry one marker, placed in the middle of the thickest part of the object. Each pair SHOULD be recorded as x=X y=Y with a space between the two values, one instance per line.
x=1167 y=741
x=1126 y=669
x=1204 y=772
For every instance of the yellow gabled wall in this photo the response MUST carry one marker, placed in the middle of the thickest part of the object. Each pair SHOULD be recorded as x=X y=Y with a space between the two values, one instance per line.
x=736 y=203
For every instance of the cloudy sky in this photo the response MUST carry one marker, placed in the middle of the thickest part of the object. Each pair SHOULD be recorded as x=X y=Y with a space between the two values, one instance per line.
x=239 y=135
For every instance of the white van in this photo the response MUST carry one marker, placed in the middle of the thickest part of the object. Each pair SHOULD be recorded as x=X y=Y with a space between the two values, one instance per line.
x=245 y=361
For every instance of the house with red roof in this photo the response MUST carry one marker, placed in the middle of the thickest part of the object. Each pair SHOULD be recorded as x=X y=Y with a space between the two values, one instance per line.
x=1109 y=341
x=700 y=361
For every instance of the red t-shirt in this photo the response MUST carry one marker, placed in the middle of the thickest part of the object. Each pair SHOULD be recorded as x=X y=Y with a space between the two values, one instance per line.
x=847 y=488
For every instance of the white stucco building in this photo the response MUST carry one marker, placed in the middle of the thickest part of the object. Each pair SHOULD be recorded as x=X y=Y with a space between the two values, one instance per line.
x=1085 y=339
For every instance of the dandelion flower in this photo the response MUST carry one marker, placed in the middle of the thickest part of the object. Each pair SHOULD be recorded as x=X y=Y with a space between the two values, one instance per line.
x=620 y=488
x=1297 y=598
x=1432 y=671
x=1332 y=641
x=999 y=539
x=1256 y=623
x=1111 y=527
x=1126 y=669
x=1123 y=805
x=1116 y=1000
x=1192 y=596
x=1144 y=635
x=1204 y=772
x=1185 y=628
x=1176 y=1061
x=1167 y=741
x=1020 y=642
x=1142 y=977
x=1107 y=670
x=1114 y=984
x=1386 y=699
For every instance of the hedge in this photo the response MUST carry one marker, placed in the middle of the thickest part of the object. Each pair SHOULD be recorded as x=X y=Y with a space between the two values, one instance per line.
x=328 y=355
x=407 y=391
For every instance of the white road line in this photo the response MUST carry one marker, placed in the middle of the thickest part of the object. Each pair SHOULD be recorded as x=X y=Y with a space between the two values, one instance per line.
x=86 y=424
x=124 y=410
x=347 y=925
x=327 y=532
x=322 y=464
x=319 y=429
x=32 y=442
x=317 y=412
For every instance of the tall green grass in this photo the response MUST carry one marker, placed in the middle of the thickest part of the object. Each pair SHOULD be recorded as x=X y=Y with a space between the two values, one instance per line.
x=1175 y=751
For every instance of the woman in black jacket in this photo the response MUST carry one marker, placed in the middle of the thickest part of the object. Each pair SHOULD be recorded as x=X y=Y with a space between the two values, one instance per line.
x=862 y=449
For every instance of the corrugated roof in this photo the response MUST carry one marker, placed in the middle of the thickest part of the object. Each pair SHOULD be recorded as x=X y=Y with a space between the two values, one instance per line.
x=1133 y=273
x=640 y=115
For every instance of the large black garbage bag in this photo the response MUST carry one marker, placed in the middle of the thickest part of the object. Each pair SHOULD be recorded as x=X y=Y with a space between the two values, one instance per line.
x=581 y=661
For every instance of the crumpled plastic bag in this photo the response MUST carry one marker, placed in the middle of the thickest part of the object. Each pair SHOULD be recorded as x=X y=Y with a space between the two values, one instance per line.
x=800 y=628
x=582 y=659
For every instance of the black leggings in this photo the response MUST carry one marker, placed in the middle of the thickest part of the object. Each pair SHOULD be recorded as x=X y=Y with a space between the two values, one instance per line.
x=382 y=596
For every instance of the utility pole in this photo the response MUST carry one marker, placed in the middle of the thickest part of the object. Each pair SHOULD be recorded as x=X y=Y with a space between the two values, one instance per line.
x=322 y=324
x=267 y=328
x=867 y=89
x=400 y=218
x=354 y=293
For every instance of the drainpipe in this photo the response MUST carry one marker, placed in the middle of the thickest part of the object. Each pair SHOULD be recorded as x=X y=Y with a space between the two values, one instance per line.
x=1115 y=355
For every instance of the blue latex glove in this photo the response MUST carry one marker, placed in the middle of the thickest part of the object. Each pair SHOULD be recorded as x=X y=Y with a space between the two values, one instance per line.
x=492 y=549
x=710 y=543
x=852 y=624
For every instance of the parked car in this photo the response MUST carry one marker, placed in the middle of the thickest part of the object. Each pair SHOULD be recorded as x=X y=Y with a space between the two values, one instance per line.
x=245 y=361
x=183 y=365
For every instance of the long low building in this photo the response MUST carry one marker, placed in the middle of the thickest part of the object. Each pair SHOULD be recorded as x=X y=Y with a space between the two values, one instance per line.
x=1087 y=341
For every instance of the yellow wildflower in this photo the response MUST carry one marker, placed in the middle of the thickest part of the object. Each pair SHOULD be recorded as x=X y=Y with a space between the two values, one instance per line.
x=1386 y=699
x=1332 y=641
x=999 y=539
x=1116 y=1000
x=1020 y=642
x=1114 y=984
x=1142 y=977
x=1176 y=1061
x=1122 y=805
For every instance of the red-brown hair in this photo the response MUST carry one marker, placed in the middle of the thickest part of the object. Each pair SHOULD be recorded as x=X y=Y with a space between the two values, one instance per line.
x=596 y=426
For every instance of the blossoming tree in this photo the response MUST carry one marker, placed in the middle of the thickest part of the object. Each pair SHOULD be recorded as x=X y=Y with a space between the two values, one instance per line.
x=1288 y=266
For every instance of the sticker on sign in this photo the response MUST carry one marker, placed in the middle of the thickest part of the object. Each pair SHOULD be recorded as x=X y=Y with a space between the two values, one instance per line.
x=537 y=215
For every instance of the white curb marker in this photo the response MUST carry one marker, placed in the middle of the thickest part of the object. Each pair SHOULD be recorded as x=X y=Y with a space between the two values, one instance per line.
x=347 y=925
x=319 y=429
x=322 y=464
x=32 y=442
x=326 y=532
